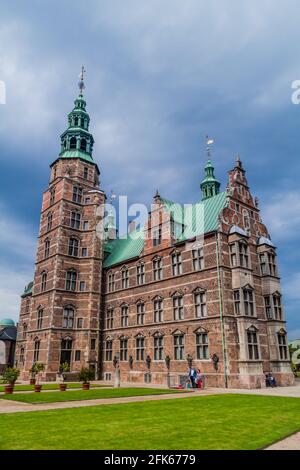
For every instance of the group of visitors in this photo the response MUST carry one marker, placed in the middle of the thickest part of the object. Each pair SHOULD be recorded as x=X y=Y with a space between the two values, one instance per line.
x=270 y=380
x=195 y=378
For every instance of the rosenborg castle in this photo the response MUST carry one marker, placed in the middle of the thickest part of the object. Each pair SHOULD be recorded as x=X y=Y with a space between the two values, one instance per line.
x=201 y=288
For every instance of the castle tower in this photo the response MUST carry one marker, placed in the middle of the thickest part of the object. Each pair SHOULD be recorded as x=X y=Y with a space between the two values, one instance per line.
x=59 y=319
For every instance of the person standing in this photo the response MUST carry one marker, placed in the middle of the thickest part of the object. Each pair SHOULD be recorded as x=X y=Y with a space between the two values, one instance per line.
x=193 y=375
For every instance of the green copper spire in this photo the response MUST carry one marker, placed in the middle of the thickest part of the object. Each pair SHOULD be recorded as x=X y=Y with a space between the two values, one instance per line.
x=210 y=186
x=76 y=141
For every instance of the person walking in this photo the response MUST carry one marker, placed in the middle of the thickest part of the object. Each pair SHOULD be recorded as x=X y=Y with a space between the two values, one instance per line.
x=193 y=375
x=198 y=379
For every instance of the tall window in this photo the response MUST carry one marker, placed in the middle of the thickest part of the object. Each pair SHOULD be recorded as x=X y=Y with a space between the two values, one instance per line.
x=178 y=307
x=71 y=280
x=36 y=352
x=237 y=302
x=73 y=142
x=233 y=257
x=140 y=313
x=140 y=349
x=200 y=304
x=66 y=351
x=158 y=343
x=77 y=194
x=157 y=269
x=176 y=264
x=140 y=273
x=123 y=349
x=108 y=350
x=73 y=246
x=272 y=264
x=253 y=351
x=268 y=307
x=75 y=219
x=277 y=307
x=124 y=315
x=198 y=259
x=263 y=264
x=179 y=347
x=243 y=253
x=282 y=345
x=158 y=311
x=157 y=236
x=52 y=196
x=83 y=144
x=25 y=327
x=202 y=346
x=111 y=282
x=49 y=221
x=125 y=278
x=85 y=172
x=40 y=315
x=44 y=282
x=47 y=248
x=68 y=317
x=110 y=319
x=248 y=302
x=22 y=355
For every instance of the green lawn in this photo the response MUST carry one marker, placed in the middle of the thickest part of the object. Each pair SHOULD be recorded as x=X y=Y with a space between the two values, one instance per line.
x=51 y=386
x=209 y=422
x=52 y=397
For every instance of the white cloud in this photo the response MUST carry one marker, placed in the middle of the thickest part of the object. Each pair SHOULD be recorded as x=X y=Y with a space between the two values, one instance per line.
x=282 y=215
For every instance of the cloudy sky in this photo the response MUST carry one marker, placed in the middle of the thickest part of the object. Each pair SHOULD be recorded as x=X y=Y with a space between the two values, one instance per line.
x=160 y=76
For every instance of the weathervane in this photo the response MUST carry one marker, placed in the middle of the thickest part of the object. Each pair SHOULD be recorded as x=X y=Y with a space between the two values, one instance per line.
x=81 y=83
x=209 y=142
x=112 y=197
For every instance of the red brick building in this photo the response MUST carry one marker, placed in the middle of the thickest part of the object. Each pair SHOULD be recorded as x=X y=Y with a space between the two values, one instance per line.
x=196 y=284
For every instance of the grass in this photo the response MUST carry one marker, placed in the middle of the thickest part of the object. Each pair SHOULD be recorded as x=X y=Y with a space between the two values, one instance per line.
x=209 y=422
x=53 y=397
x=52 y=386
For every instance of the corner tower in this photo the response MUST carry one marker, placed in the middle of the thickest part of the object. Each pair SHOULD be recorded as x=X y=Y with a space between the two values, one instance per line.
x=61 y=323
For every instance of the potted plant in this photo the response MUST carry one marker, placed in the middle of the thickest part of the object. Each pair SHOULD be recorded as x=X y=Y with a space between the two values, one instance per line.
x=64 y=367
x=85 y=375
x=10 y=376
x=32 y=375
x=38 y=367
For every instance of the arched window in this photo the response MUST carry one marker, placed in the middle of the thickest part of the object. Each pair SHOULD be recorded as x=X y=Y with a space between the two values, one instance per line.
x=76 y=121
x=40 y=315
x=22 y=355
x=44 y=281
x=49 y=221
x=66 y=351
x=68 y=317
x=83 y=145
x=73 y=247
x=253 y=346
x=36 y=352
x=73 y=143
x=71 y=280
x=47 y=248
x=82 y=122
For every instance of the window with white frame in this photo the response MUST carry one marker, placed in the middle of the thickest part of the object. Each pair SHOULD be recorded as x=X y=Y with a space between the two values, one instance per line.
x=77 y=194
x=124 y=315
x=248 y=302
x=157 y=269
x=71 y=280
x=44 y=281
x=282 y=346
x=49 y=221
x=140 y=348
x=268 y=307
x=108 y=350
x=75 y=219
x=68 y=317
x=178 y=311
x=36 y=352
x=140 y=274
x=73 y=246
x=158 y=347
x=157 y=236
x=263 y=264
x=198 y=259
x=179 y=347
x=200 y=304
x=109 y=318
x=233 y=254
x=244 y=254
x=253 y=347
x=277 y=306
x=202 y=345
x=140 y=313
x=40 y=315
x=22 y=355
x=111 y=282
x=47 y=248
x=272 y=264
x=125 y=278
x=158 y=310
x=237 y=302
x=123 y=349
x=176 y=264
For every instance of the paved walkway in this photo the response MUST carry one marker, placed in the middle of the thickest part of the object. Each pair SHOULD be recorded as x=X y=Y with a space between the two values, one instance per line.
x=289 y=443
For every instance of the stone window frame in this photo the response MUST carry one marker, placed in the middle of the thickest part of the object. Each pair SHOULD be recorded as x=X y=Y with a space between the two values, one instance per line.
x=44 y=280
x=52 y=195
x=74 y=246
x=158 y=313
x=125 y=278
x=178 y=306
x=158 y=347
x=71 y=281
x=108 y=348
x=202 y=347
x=203 y=305
x=111 y=282
x=49 y=221
x=268 y=263
x=77 y=194
x=22 y=355
x=176 y=263
x=253 y=347
x=243 y=300
x=238 y=257
x=157 y=235
x=47 y=243
x=124 y=307
x=109 y=318
x=37 y=348
x=282 y=345
x=75 y=219
x=77 y=355
x=178 y=346
x=68 y=318
x=123 y=340
x=140 y=312
x=140 y=273
x=273 y=306
x=157 y=268
x=40 y=317
x=140 y=347
x=198 y=258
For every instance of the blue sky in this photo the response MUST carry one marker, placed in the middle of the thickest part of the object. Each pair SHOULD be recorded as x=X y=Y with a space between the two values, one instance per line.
x=160 y=76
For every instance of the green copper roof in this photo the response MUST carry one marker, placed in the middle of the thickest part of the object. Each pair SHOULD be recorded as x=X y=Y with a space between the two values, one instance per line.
x=27 y=290
x=7 y=322
x=192 y=220
x=77 y=154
